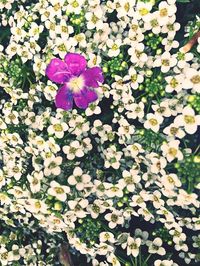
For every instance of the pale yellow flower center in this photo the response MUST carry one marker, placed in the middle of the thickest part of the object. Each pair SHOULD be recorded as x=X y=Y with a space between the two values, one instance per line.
x=173 y=152
x=173 y=130
x=189 y=119
x=59 y=190
x=57 y=127
x=153 y=122
x=195 y=79
x=173 y=83
x=76 y=84
x=114 y=47
x=143 y=11
x=163 y=12
x=170 y=179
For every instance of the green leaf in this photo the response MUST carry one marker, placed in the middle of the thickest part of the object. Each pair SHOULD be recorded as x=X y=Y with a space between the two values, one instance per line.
x=183 y=1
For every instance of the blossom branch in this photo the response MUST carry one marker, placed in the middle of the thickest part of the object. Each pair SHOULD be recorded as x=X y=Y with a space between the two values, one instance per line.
x=186 y=48
x=64 y=255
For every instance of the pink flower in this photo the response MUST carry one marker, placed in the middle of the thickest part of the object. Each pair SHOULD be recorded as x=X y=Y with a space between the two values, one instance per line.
x=78 y=82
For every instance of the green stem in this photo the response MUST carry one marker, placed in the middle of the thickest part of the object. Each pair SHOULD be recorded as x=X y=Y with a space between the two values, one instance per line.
x=107 y=228
x=140 y=258
x=121 y=260
x=147 y=259
x=133 y=261
x=197 y=149
x=136 y=261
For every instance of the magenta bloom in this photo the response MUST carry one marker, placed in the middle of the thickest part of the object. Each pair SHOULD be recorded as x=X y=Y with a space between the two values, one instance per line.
x=78 y=81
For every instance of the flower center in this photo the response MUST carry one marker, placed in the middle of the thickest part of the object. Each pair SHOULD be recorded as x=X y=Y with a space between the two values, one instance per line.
x=189 y=119
x=173 y=130
x=76 y=84
x=172 y=152
x=59 y=190
x=153 y=122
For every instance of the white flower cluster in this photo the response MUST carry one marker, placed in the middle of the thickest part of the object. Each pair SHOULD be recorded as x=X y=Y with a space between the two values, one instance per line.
x=90 y=174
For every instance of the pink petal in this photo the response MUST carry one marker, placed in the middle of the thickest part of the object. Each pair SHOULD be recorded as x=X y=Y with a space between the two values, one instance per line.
x=76 y=63
x=57 y=71
x=64 y=99
x=90 y=95
x=93 y=76
x=81 y=101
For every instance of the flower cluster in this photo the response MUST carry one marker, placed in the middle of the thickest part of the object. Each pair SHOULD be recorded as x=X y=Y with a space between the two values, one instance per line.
x=116 y=175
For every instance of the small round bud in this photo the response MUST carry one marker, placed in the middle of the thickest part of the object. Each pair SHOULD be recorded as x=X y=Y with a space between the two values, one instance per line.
x=57 y=206
x=159 y=51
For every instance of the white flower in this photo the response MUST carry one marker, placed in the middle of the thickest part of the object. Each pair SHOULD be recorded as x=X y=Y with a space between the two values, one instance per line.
x=3 y=255
x=34 y=205
x=130 y=178
x=174 y=131
x=170 y=181
x=35 y=181
x=113 y=260
x=165 y=11
x=188 y=119
x=6 y=4
x=183 y=58
x=112 y=157
x=171 y=150
x=115 y=191
x=114 y=47
x=104 y=249
x=106 y=236
x=78 y=205
x=134 y=78
x=95 y=208
x=171 y=27
x=192 y=80
x=125 y=8
x=162 y=109
x=147 y=215
x=156 y=200
x=75 y=6
x=137 y=54
x=169 y=44
x=114 y=218
x=52 y=166
x=94 y=19
x=165 y=61
x=175 y=83
x=153 y=122
x=165 y=263
x=75 y=149
x=157 y=164
x=142 y=10
x=100 y=187
x=155 y=247
x=92 y=109
x=133 y=150
x=139 y=200
x=152 y=23
x=58 y=128
x=78 y=179
x=2 y=124
x=18 y=32
x=135 y=110
x=178 y=235
x=2 y=179
x=50 y=90
x=58 y=191
x=133 y=246
x=12 y=117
